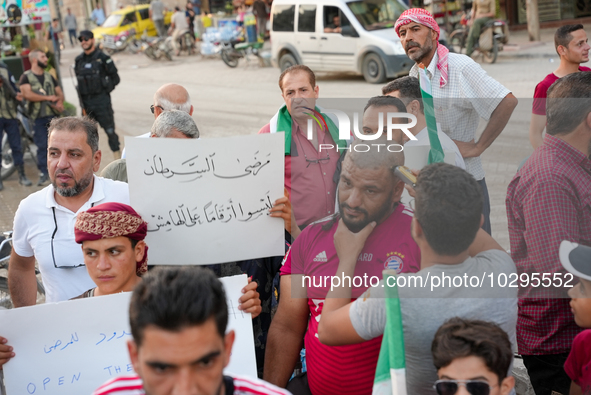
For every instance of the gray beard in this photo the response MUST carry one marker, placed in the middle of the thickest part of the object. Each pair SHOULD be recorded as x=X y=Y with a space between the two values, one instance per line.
x=77 y=189
x=424 y=51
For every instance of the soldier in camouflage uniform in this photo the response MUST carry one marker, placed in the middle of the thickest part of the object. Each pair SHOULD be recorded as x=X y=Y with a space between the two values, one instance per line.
x=9 y=95
x=46 y=101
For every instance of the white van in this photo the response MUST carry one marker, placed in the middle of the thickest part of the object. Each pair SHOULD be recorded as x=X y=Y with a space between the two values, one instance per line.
x=308 y=32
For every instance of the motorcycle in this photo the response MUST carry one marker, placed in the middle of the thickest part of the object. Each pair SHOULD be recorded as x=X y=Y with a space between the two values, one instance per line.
x=232 y=52
x=158 y=48
x=494 y=34
x=186 y=42
x=121 y=42
x=25 y=125
x=236 y=48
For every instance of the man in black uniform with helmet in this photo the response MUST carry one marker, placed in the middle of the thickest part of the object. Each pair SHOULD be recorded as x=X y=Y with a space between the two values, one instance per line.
x=97 y=76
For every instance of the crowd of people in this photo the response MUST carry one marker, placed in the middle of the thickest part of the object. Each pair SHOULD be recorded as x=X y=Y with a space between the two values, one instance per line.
x=344 y=219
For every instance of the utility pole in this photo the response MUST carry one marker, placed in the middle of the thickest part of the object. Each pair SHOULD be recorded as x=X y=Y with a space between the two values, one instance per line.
x=533 y=20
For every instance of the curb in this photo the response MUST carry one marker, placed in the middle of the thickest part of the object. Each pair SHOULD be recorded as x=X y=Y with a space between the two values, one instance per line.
x=506 y=55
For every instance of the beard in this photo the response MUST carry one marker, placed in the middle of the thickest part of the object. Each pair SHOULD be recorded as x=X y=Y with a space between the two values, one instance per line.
x=77 y=189
x=378 y=216
x=423 y=51
x=42 y=65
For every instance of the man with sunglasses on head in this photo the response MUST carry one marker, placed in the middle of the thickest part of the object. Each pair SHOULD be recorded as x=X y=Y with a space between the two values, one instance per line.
x=97 y=77
x=472 y=354
x=44 y=221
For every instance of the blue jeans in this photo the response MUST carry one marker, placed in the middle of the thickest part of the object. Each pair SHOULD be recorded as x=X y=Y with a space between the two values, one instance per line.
x=485 y=207
x=40 y=139
x=72 y=34
x=14 y=139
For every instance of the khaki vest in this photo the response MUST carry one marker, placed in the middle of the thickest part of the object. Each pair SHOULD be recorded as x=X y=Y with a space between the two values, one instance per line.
x=7 y=104
x=40 y=109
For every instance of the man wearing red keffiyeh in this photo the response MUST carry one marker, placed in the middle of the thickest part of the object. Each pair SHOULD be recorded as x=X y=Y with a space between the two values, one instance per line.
x=462 y=93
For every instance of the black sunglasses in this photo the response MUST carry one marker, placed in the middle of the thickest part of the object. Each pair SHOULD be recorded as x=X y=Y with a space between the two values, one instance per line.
x=53 y=237
x=82 y=39
x=450 y=387
x=152 y=108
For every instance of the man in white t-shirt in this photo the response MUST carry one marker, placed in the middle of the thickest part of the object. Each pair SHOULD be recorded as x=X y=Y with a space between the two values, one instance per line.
x=44 y=221
x=179 y=24
x=455 y=254
x=408 y=90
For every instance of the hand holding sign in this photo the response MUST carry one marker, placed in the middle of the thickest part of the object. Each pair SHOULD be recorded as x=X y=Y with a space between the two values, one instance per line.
x=205 y=192
x=79 y=344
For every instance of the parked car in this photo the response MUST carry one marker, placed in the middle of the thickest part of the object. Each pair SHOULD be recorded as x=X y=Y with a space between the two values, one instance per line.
x=131 y=17
x=303 y=32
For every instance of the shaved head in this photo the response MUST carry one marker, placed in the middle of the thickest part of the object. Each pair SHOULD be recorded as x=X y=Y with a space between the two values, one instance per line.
x=34 y=54
x=173 y=97
x=377 y=156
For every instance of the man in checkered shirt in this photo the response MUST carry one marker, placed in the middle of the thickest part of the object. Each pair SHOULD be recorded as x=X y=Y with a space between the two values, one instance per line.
x=549 y=200
x=462 y=91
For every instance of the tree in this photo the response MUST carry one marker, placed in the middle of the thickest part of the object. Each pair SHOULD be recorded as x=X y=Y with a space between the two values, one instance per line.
x=533 y=20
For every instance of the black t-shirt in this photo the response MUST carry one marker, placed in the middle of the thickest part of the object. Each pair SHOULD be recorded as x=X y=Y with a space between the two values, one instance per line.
x=229 y=384
x=260 y=9
x=25 y=79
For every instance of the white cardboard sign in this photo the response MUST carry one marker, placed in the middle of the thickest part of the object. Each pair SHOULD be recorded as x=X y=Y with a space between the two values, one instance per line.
x=73 y=347
x=206 y=201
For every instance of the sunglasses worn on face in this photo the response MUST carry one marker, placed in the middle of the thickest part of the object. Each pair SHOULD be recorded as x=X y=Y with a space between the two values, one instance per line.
x=83 y=39
x=450 y=387
x=152 y=108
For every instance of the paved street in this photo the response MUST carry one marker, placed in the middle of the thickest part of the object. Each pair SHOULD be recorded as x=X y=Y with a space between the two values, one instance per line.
x=239 y=101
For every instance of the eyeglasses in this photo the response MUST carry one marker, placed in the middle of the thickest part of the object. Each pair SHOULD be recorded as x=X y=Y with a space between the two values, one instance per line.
x=321 y=160
x=310 y=161
x=153 y=106
x=52 y=253
x=450 y=387
x=83 y=39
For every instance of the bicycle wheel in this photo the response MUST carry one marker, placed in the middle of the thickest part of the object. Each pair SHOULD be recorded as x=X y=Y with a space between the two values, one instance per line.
x=228 y=59
x=7 y=166
x=151 y=53
x=190 y=44
x=40 y=288
x=491 y=56
x=5 y=300
x=457 y=40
